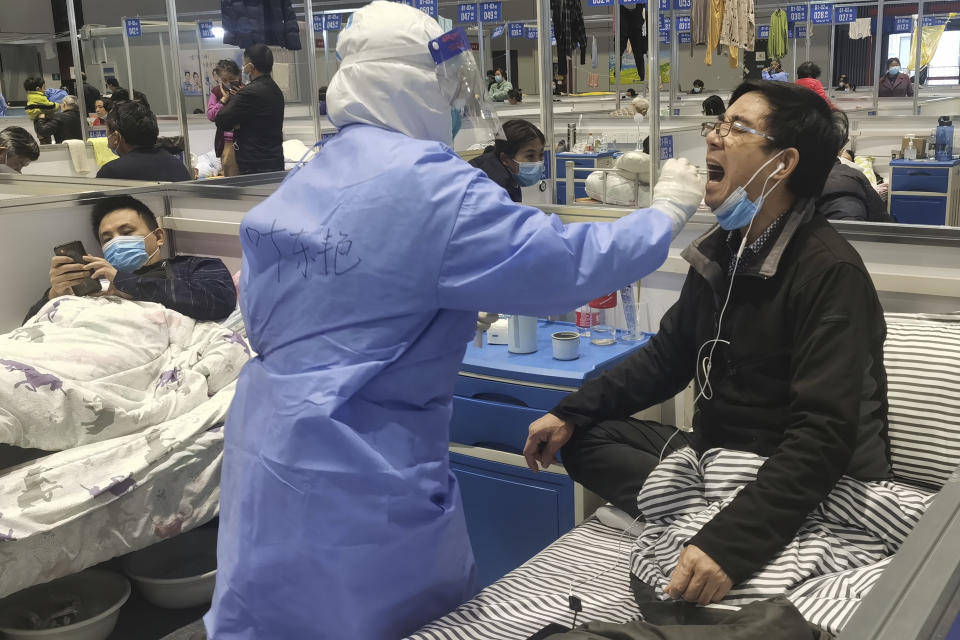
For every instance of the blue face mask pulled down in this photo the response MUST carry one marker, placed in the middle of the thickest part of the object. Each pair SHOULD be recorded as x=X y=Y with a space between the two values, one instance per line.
x=127 y=253
x=457 y=121
x=738 y=211
x=530 y=173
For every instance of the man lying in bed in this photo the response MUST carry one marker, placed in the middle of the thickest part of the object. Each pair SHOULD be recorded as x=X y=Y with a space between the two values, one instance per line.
x=785 y=344
x=201 y=288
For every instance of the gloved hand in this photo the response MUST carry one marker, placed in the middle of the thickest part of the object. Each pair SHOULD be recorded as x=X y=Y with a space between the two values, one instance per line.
x=484 y=320
x=679 y=192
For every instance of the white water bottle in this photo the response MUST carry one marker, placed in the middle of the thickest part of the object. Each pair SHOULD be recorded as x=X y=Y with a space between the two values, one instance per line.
x=911 y=151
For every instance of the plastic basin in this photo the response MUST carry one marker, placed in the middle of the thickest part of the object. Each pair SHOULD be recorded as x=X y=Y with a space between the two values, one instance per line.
x=176 y=573
x=89 y=600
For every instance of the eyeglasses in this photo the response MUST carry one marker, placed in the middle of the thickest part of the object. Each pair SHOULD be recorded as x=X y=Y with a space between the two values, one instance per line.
x=723 y=128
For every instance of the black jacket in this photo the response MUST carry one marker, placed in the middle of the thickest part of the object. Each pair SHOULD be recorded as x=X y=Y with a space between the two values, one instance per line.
x=490 y=164
x=801 y=381
x=146 y=164
x=62 y=125
x=256 y=115
x=848 y=195
x=569 y=28
x=201 y=288
x=247 y=22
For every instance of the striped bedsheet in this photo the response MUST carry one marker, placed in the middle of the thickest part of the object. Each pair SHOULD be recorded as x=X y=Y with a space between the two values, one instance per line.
x=535 y=594
x=834 y=562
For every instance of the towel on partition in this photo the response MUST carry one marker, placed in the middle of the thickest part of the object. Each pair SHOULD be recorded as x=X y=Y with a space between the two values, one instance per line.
x=78 y=155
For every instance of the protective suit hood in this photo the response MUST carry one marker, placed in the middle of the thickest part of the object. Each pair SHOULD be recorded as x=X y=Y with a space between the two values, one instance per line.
x=387 y=77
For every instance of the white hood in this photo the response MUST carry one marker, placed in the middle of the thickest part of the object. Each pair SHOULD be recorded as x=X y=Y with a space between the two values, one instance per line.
x=387 y=77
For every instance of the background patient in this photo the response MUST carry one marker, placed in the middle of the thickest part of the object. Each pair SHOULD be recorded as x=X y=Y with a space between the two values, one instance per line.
x=135 y=269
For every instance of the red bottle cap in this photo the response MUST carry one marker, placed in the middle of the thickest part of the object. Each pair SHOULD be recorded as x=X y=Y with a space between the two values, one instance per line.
x=605 y=302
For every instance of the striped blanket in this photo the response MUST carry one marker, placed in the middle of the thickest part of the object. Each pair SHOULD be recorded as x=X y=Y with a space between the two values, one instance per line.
x=835 y=560
x=826 y=570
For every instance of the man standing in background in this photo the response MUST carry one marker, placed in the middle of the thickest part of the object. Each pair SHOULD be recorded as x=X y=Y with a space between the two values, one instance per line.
x=255 y=115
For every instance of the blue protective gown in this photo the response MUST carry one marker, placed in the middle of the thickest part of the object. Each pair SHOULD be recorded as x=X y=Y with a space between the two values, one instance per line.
x=362 y=276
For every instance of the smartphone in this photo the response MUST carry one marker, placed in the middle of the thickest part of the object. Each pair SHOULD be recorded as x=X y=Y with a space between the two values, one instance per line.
x=75 y=251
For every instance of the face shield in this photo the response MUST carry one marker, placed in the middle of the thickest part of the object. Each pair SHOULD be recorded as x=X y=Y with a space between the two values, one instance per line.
x=474 y=121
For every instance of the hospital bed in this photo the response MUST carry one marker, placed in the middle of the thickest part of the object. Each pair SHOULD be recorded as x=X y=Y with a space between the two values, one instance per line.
x=68 y=510
x=912 y=596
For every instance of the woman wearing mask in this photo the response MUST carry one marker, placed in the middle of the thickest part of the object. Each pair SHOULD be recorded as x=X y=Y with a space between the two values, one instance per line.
x=894 y=83
x=697 y=87
x=517 y=161
x=497 y=92
x=228 y=83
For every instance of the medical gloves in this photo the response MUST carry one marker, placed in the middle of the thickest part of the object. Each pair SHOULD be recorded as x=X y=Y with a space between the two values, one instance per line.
x=679 y=192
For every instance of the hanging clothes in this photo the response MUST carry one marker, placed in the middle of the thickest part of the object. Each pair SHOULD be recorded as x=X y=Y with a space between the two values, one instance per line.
x=777 y=42
x=270 y=22
x=734 y=57
x=632 y=28
x=700 y=21
x=569 y=30
x=739 y=30
x=716 y=28
x=860 y=29
x=930 y=40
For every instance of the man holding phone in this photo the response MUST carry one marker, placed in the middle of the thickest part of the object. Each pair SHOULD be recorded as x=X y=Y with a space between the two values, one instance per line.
x=133 y=268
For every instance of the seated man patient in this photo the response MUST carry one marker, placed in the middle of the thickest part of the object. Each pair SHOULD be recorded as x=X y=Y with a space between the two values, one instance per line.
x=132 y=241
x=779 y=323
x=132 y=134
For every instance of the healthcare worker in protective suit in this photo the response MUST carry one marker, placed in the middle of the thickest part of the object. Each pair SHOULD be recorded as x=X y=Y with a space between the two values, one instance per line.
x=362 y=277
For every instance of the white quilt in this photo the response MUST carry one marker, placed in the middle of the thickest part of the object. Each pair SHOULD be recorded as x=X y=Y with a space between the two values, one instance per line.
x=86 y=370
x=136 y=396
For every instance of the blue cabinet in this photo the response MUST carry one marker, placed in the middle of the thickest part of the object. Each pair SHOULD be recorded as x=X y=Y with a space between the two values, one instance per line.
x=919 y=209
x=925 y=192
x=513 y=513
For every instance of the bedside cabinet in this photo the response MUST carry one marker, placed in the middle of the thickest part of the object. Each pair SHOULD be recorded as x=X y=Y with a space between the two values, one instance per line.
x=925 y=192
x=512 y=513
